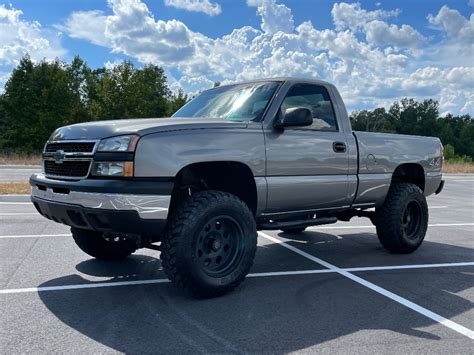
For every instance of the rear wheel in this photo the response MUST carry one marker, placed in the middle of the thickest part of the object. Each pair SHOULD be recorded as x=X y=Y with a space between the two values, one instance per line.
x=106 y=246
x=210 y=244
x=402 y=220
x=293 y=230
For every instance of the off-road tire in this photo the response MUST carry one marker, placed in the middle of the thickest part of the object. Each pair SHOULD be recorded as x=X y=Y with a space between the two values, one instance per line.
x=395 y=231
x=95 y=244
x=293 y=230
x=189 y=231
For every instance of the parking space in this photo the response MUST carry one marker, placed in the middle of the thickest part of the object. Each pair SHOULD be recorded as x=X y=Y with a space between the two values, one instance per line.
x=332 y=288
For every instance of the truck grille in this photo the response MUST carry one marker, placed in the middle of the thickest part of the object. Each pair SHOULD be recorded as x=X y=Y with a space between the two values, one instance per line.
x=68 y=159
x=68 y=168
x=70 y=147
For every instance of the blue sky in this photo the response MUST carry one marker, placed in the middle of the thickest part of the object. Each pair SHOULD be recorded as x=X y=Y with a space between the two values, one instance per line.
x=374 y=51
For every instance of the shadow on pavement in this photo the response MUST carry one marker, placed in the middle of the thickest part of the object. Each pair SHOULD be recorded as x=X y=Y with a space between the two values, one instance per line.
x=271 y=314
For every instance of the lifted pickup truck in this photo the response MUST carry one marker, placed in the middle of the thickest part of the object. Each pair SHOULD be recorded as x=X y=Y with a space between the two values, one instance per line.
x=268 y=154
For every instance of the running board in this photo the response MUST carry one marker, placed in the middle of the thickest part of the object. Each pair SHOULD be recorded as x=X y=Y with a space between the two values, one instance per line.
x=267 y=225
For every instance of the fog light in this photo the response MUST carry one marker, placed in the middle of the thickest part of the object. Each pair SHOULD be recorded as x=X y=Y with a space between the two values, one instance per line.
x=113 y=168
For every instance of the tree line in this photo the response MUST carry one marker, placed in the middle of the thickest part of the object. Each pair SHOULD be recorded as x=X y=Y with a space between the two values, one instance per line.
x=40 y=97
x=409 y=116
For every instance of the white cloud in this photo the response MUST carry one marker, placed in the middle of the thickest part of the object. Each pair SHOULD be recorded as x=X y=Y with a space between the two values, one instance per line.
x=133 y=30
x=471 y=3
x=89 y=25
x=18 y=37
x=381 y=33
x=353 y=17
x=205 y=6
x=454 y=24
x=275 y=17
x=371 y=60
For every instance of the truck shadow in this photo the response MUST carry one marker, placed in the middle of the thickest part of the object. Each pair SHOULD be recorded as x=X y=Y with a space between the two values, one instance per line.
x=271 y=314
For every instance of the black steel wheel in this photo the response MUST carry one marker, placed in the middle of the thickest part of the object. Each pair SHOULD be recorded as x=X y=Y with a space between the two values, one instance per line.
x=219 y=246
x=411 y=221
x=210 y=244
x=402 y=220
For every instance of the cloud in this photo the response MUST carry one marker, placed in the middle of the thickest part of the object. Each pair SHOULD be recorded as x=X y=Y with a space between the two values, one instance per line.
x=132 y=30
x=454 y=24
x=371 y=60
x=205 y=6
x=381 y=33
x=353 y=17
x=18 y=37
x=89 y=25
x=275 y=17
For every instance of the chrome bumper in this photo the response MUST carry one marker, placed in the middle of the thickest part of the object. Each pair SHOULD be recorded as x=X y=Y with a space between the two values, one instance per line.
x=147 y=206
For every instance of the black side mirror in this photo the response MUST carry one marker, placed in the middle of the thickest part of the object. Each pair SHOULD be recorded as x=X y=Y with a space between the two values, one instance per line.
x=295 y=117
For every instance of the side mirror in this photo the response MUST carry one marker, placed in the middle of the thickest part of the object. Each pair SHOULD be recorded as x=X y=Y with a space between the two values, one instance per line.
x=295 y=117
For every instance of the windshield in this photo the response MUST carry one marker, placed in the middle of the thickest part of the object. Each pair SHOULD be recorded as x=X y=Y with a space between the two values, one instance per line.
x=242 y=102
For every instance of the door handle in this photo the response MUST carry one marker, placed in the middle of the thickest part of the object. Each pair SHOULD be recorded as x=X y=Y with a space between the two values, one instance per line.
x=339 y=147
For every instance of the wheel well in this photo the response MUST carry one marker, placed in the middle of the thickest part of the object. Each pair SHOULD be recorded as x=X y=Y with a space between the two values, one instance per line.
x=411 y=173
x=233 y=177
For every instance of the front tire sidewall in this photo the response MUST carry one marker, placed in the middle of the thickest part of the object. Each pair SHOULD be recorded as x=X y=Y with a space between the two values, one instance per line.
x=188 y=247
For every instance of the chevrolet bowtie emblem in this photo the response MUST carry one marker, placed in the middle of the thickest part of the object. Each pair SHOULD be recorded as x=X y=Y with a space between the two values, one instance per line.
x=59 y=156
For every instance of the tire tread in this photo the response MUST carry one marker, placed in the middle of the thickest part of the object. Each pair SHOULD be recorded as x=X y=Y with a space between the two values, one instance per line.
x=188 y=213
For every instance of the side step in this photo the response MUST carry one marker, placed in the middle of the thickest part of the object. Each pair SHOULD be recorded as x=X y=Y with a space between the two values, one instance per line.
x=274 y=225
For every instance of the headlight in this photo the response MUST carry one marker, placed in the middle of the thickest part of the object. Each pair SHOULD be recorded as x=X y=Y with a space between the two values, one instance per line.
x=113 y=168
x=118 y=144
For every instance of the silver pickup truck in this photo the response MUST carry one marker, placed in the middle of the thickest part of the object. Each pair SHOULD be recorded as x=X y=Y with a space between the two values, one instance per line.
x=267 y=154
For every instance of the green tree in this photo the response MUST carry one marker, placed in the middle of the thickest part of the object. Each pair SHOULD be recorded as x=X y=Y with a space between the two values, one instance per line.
x=409 y=116
x=177 y=101
x=126 y=92
x=37 y=99
x=372 y=121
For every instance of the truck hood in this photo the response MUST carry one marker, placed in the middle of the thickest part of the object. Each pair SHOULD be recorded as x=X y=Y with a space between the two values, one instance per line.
x=104 y=129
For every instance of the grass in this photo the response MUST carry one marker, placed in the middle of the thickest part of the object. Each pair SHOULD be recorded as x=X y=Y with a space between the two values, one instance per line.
x=20 y=159
x=458 y=168
x=14 y=188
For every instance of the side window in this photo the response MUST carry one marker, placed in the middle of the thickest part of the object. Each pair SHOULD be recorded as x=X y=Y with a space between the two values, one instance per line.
x=316 y=98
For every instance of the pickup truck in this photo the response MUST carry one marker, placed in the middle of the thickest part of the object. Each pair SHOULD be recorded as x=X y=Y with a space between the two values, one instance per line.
x=272 y=154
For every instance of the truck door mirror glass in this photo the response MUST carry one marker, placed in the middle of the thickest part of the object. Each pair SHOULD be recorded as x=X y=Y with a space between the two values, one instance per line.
x=295 y=117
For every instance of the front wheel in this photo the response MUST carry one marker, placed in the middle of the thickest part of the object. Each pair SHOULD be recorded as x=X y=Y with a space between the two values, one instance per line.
x=402 y=220
x=106 y=246
x=210 y=244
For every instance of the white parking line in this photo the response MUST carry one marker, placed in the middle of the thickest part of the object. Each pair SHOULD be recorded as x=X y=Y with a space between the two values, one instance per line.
x=34 y=236
x=426 y=312
x=465 y=180
x=16 y=203
x=259 y=274
x=20 y=214
x=83 y=286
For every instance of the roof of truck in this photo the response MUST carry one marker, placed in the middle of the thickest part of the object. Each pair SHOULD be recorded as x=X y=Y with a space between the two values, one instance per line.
x=282 y=78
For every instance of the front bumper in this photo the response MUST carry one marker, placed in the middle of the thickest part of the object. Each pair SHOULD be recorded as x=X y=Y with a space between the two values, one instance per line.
x=129 y=206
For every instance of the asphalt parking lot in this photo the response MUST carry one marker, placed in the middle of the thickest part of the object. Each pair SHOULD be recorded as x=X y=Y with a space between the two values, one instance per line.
x=331 y=289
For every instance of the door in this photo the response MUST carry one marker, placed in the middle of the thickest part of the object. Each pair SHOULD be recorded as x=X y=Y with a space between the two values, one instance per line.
x=307 y=167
